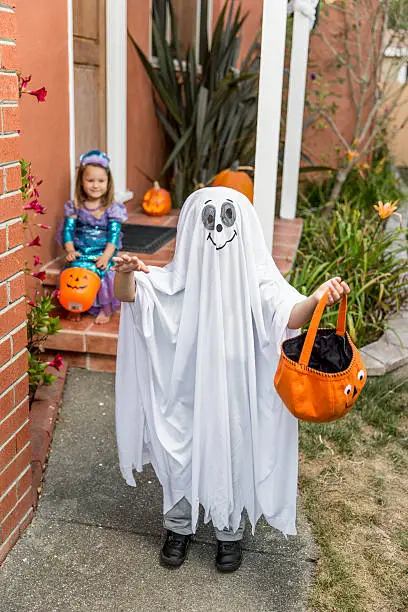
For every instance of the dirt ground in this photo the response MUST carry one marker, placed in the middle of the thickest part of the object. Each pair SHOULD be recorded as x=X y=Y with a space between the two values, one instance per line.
x=354 y=488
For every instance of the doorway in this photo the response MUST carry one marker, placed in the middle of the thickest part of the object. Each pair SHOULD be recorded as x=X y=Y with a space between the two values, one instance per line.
x=89 y=55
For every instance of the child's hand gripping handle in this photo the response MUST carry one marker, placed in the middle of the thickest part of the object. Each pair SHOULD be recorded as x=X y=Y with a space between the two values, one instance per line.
x=314 y=326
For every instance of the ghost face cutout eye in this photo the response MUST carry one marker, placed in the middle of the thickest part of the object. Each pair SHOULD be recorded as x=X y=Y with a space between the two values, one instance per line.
x=228 y=214
x=208 y=217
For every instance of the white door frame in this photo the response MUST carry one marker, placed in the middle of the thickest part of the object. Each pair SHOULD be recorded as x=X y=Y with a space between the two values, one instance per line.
x=116 y=94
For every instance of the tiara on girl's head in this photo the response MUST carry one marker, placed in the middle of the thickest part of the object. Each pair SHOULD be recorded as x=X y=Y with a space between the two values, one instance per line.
x=95 y=157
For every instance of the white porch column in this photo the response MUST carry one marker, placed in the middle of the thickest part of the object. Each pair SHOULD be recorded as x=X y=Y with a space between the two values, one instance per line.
x=303 y=22
x=116 y=89
x=269 y=112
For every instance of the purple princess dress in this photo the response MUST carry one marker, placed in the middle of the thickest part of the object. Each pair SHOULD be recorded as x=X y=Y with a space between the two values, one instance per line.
x=90 y=237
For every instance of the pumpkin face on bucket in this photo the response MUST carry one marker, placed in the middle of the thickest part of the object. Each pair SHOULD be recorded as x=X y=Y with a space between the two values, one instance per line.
x=78 y=289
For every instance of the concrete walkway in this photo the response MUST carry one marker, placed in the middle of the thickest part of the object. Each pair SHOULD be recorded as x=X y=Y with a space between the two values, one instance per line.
x=93 y=544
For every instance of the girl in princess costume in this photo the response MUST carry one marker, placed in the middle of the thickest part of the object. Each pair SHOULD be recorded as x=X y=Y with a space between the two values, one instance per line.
x=199 y=344
x=91 y=234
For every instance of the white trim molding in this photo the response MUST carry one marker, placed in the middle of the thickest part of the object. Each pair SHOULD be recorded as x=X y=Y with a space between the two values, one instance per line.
x=396 y=51
x=304 y=17
x=116 y=94
x=269 y=112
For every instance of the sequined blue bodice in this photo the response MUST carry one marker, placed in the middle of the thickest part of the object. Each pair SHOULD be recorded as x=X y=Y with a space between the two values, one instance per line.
x=91 y=235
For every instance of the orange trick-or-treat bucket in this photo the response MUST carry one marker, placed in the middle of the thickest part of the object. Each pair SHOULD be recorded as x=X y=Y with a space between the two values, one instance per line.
x=78 y=289
x=320 y=373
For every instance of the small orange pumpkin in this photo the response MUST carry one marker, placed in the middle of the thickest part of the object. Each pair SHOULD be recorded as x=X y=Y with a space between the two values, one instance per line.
x=156 y=201
x=319 y=380
x=235 y=178
x=78 y=289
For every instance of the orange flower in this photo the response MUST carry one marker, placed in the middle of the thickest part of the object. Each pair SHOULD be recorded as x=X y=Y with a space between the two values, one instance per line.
x=387 y=209
x=352 y=155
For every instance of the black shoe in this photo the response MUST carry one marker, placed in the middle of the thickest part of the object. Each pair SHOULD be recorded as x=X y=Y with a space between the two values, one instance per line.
x=174 y=551
x=229 y=556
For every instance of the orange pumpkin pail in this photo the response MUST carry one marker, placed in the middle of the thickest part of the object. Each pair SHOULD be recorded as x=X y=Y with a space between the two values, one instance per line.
x=320 y=373
x=78 y=289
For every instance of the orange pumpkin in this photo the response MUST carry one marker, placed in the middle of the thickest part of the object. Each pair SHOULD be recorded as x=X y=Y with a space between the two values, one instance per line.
x=237 y=179
x=325 y=381
x=78 y=289
x=156 y=201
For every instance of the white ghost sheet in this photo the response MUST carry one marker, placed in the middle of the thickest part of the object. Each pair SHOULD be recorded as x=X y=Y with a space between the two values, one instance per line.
x=197 y=355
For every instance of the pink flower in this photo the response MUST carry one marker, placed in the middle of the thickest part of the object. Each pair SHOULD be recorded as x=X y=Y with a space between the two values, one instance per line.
x=43 y=225
x=37 y=260
x=39 y=275
x=33 y=304
x=24 y=81
x=57 y=362
x=35 y=242
x=38 y=208
x=40 y=94
x=31 y=205
x=56 y=293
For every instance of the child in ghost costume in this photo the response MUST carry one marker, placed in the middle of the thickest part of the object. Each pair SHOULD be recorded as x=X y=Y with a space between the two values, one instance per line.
x=199 y=344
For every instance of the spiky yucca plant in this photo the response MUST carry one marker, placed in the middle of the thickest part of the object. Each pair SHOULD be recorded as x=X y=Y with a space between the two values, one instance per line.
x=208 y=112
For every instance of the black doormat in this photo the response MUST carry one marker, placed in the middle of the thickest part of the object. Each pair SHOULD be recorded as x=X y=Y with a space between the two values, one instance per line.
x=145 y=238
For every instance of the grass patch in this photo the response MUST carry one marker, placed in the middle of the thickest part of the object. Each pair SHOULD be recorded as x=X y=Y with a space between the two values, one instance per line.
x=354 y=491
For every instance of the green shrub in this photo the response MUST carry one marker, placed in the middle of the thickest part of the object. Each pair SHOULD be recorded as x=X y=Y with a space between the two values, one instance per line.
x=40 y=325
x=40 y=320
x=365 y=185
x=352 y=243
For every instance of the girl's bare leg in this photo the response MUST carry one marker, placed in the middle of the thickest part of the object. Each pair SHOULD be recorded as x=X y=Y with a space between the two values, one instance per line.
x=102 y=317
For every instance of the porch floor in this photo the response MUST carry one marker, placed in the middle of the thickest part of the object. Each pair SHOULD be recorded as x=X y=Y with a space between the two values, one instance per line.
x=86 y=345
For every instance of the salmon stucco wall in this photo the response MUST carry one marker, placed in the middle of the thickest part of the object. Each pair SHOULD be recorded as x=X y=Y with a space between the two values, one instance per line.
x=321 y=143
x=42 y=46
x=145 y=142
x=252 y=25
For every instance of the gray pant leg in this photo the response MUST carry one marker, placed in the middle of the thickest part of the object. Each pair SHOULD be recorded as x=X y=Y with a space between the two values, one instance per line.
x=227 y=535
x=178 y=518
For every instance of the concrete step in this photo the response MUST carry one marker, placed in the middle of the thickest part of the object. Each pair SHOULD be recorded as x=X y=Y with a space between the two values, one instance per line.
x=86 y=345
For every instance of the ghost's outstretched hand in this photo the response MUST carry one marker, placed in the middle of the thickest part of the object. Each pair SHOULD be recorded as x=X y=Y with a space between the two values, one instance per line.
x=129 y=263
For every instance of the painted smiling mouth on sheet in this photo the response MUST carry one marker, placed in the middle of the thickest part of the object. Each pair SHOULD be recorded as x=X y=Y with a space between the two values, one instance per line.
x=218 y=248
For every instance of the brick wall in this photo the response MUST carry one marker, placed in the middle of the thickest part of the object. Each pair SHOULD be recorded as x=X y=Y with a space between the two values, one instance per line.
x=15 y=451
